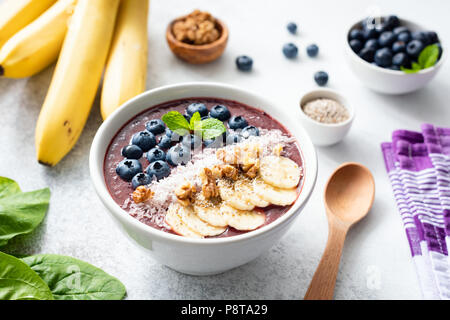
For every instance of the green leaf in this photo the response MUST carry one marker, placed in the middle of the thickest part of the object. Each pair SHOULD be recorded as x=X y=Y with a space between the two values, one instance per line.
x=176 y=122
x=8 y=187
x=195 y=121
x=415 y=68
x=428 y=56
x=72 y=279
x=212 y=128
x=19 y=282
x=21 y=212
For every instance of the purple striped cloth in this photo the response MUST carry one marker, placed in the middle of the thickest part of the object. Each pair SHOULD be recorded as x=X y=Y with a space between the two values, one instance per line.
x=418 y=164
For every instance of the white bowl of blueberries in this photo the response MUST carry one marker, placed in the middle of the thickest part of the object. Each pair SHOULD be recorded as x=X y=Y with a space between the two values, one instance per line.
x=393 y=56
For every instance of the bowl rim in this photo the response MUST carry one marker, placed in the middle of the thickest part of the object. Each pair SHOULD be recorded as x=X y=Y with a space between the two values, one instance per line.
x=97 y=177
x=171 y=38
x=389 y=71
x=339 y=97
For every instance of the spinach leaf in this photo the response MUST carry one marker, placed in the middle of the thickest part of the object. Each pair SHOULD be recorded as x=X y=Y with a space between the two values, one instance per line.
x=72 y=279
x=19 y=282
x=20 y=212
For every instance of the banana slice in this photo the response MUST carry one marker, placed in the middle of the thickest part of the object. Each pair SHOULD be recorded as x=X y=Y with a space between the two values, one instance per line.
x=280 y=172
x=241 y=219
x=248 y=192
x=278 y=196
x=233 y=195
x=209 y=211
x=173 y=219
x=188 y=216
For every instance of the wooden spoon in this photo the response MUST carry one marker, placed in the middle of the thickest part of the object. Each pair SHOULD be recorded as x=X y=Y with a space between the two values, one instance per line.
x=349 y=195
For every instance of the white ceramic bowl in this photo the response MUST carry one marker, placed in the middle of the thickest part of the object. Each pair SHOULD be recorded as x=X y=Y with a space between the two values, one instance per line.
x=323 y=134
x=386 y=80
x=199 y=256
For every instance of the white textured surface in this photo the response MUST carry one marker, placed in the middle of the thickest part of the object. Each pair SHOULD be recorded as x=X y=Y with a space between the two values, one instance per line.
x=376 y=262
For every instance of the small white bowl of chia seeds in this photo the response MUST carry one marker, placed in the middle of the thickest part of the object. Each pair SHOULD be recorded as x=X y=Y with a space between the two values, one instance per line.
x=326 y=115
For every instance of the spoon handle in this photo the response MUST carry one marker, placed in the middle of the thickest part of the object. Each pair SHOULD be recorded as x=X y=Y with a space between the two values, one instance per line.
x=324 y=280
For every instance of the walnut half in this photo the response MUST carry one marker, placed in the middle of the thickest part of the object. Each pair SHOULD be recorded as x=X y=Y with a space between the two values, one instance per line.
x=142 y=194
x=185 y=194
x=209 y=187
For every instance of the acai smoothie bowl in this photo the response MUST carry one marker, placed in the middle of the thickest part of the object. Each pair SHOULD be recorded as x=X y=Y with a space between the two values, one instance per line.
x=204 y=176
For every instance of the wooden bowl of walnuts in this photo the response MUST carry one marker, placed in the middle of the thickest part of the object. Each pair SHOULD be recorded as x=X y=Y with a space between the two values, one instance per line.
x=197 y=37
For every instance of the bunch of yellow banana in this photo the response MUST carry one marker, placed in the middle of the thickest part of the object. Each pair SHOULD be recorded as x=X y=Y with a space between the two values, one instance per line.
x=86 y=37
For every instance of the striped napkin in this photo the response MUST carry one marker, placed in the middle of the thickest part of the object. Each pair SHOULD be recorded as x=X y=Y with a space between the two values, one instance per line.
x=418 y=164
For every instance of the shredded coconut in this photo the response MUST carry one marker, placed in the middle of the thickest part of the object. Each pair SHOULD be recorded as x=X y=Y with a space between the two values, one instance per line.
x=155 y=209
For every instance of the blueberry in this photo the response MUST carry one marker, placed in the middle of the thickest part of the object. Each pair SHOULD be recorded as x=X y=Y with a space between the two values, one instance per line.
x=220 y=112
x=165 y=142
x=386 y=39
x=356 y=34
x=144 y=140
x=290 y=50
x=367 y=54
x=155 y=154
x=237 y=122
x=432 y=37
x=128 y=168
x=394 y=67
x=393 y=21
x=421 y=36
x=217 y=142
x=372 y=44
x=356 y=45
x=397 y=31
x=172 y=135
x=382 y=27
x=132 y=152
x=178 y=154
x=383 y=57
x=414 y=48
x=312 y=50
x=192 y=140
x=197 y=107
x=141 y=179
x=292 y=27
x=160 y=169
x=233 y=138
x=370 y=33
x=321 y=78
x=244 y=63
x=401 y=59
x=187 y=117
x=398 y=46
x=404 y=36
x=155 y=126
x=249 y=131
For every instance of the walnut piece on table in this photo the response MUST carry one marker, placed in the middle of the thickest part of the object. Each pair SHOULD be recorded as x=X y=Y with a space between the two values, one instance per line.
x=209 y=186
x=198 y=28
x=142 y=194
x=185 y=194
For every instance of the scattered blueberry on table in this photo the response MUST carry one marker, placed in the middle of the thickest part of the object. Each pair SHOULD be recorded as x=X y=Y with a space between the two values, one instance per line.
x=321 y=78
x=388 y=44
x=312 y=50
x=292 y=27
x=244 y=63
x=290 y=50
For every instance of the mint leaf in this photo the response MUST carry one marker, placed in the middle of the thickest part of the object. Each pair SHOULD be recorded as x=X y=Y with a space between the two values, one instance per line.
x=415 y=67
x=212 y=128
x=196 y=121
x=72 y=279
x=19 y=282
x=429 y=56
x=20 y=212
x=176 y=122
